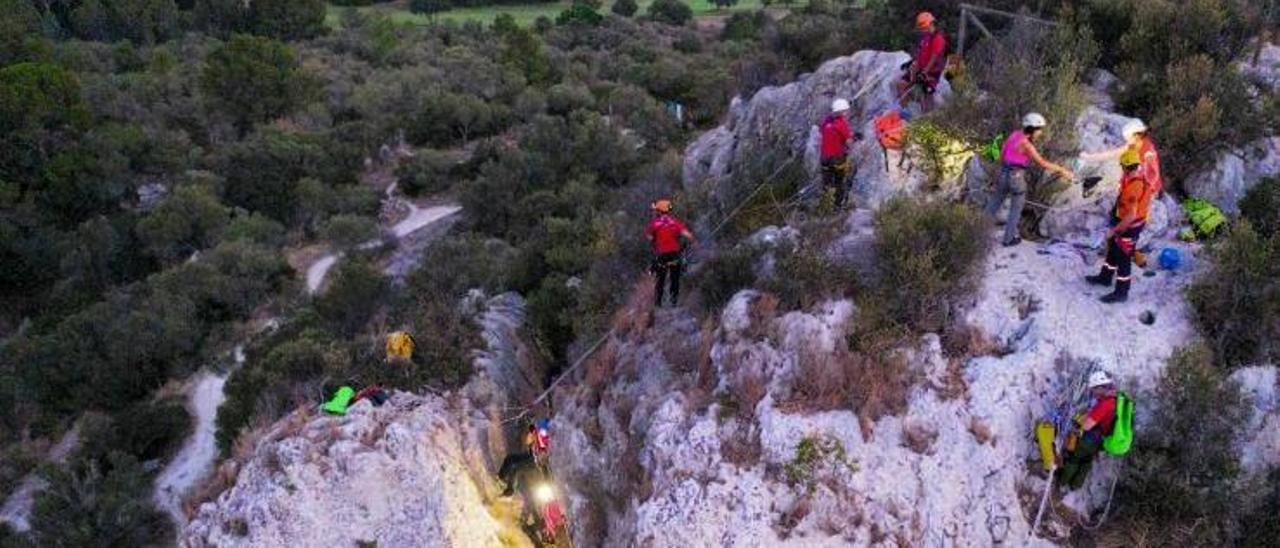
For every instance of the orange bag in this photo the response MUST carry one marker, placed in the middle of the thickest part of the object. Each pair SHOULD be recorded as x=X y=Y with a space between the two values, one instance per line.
x=891 y=131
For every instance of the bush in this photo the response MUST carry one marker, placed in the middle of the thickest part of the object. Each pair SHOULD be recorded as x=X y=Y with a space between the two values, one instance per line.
x=429 y=7
x=253 y=80
x=723 y=276
x=805 y=276
x=190 y=219
x=357 y=292
x=1237 y=300
x=744 y=26
x=428 y=172
x=928 y=256
x=1261 y=206
x=349 y=231
x=671 y=12
x=624 y=8
x=146 y=430
x=579 y=14
x=1183 y=489
x=92 y=504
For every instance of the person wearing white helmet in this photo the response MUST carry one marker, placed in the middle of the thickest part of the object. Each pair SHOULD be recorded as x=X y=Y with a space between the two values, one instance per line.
x=1016 y=157
x=1093 y=427
x=836 y=138
x=1136 y=136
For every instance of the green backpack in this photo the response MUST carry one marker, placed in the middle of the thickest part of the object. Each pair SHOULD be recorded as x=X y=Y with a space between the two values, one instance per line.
x=1204 y=216
x=1121 y=438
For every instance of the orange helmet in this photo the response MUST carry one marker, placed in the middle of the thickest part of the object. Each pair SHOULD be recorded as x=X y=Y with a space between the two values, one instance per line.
x=924 y=20
x=662 y=206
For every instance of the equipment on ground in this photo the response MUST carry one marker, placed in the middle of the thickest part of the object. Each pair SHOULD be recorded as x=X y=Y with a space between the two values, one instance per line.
x=1205 y=217
x=400 y=345
x=1147 y=317
x=1170 y=258
x=340 y=401
x=1045 y=434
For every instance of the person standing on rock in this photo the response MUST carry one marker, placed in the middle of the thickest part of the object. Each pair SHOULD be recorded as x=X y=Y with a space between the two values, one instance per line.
x=1128 y=218
x=1137 y=136
x=836 y=137
x=926 y=66
x=1094 y=427
x=1016 y=157
x=665 y=232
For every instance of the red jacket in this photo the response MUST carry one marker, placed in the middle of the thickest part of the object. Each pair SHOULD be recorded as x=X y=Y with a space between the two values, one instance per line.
x=665 y=231
x=931 y=46
x=1104 y=414
x=835 y=137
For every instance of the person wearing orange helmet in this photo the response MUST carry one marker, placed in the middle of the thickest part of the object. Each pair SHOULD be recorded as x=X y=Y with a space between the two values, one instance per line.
x=926 y=66
x=665 y=232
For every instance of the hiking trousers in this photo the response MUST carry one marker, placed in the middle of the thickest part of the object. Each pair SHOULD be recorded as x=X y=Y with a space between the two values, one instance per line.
x=1012 y=185
x=1076 y=464
x=666 y=269
x=835 y=175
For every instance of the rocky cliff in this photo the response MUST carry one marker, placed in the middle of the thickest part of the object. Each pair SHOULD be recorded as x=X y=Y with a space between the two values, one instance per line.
x=415 y=471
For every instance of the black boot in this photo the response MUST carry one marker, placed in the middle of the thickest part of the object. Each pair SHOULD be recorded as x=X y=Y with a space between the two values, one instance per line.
x=1121 y=293
x=1102 y=278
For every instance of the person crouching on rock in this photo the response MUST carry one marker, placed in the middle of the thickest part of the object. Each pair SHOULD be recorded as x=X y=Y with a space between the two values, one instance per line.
x=664 y=233
x=1094 y=426
x=1128 y=218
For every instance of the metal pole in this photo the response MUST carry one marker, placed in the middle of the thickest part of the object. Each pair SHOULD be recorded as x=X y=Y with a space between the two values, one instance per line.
x=964 y=24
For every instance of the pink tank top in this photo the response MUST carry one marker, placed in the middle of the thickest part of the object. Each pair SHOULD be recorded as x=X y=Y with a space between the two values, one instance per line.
x=1011 y=154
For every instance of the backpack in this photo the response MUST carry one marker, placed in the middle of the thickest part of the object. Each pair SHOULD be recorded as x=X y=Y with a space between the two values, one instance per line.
x=1121 y=438
x=1204 y=216
x=891 y=131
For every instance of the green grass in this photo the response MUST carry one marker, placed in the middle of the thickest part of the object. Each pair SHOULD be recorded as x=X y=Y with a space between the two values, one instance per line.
x=524 y=14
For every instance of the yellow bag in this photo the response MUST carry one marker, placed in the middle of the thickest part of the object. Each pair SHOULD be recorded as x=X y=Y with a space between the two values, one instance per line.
x=1044 y=439
x=400 y=346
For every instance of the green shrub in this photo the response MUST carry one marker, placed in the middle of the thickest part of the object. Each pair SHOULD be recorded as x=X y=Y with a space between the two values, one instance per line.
x=1182 y=482
x=146 y=430
x=357 y=291
x=624 y=8
x=190 y=219
x=429 y=172
x=805 y=275
x=928 y=256
x=349 y=231
x=671 y=12
x=579 y=14
x=723 y=276
x=1261 y=206
x=1237 y=299
x=255 y=228
x=744 y=25
x=88 y=503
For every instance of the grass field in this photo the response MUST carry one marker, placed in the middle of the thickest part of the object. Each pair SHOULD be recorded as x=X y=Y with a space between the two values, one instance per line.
x=524 y=14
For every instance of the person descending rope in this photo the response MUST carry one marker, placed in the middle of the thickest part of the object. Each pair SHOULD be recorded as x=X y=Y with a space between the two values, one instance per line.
x=517 y=467
x=1128 y=218
x=1085 y=442
x=1016 y=156
x=927 y=65
x=834 y=150
x=665 y=233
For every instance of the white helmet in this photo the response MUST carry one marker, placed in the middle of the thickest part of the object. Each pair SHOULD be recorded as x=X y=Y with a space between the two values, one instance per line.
x=1133 y=127
x=1034 y=119
x=839 y=105
x=1099 y=378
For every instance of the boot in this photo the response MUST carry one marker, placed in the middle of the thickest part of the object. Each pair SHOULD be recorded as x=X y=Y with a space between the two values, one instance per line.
x=1102 y=278
x=1121 y=293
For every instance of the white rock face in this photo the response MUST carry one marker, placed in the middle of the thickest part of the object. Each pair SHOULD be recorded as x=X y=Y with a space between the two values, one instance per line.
x=1235 y=173
x=414 y=472
x=952 y=469
x=786 y=117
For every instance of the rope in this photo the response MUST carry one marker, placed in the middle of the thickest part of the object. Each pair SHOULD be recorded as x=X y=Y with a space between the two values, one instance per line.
x=1106 y=510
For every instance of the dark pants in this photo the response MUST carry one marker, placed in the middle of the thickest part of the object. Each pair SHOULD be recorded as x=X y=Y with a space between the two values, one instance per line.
x=1119 y=262
x=1076 y=464
x=667 y=267
x=835 y=175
